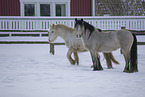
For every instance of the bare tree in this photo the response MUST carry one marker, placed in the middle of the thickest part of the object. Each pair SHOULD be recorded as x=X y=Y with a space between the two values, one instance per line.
x=119 y=7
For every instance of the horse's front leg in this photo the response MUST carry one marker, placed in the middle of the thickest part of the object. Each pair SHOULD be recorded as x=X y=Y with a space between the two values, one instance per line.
x=93 y=59
x=96 y=61
x=69 y=56
x=76 y=57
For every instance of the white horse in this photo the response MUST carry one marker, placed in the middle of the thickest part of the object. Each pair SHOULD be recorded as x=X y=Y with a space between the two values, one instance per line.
x=96 y=41
x=74 y=45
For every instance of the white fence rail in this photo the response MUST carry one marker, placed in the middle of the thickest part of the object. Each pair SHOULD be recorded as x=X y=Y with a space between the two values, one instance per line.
x=43 y=23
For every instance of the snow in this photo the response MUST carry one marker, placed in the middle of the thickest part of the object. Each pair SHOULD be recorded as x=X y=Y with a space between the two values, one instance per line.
x=29 y=70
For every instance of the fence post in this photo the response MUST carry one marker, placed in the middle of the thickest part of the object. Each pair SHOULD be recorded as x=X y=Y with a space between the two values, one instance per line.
x=52 y=48
x=123 y=27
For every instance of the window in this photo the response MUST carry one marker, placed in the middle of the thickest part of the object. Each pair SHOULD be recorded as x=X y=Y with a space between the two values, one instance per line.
x=44 y=9
x=60 y=10
x=29 y=9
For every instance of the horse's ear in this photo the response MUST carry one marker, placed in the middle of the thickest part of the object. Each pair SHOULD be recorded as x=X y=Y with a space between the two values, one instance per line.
x=75 y=19
x=82 y=20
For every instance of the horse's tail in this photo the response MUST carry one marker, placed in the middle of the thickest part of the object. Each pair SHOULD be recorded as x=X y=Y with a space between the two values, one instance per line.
x=133 y=55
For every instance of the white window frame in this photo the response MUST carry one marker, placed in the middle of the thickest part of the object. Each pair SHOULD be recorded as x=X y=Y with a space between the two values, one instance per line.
x=66 y=6
x=93 y=7
x=45 y=3
x=22 y=8
x=52 y=6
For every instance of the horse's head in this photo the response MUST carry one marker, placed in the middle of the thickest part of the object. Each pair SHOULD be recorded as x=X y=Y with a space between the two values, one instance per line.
x=83 y=27
x=79 y=27
x=52 y=33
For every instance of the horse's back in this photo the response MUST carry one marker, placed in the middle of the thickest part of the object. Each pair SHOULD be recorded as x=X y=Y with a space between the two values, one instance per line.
x=125 y=38
x=124 y=35
x=112 y=40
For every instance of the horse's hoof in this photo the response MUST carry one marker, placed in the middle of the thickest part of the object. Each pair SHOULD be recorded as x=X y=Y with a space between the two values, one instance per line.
x=136 y=71
x=95 y=70
x=98 y=69
x=127 y=71
x=72 y=62
x=109 y=67
x=101 y=68
x=132 y=71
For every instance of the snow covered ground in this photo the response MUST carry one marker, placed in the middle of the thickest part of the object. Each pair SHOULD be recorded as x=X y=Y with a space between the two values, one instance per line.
x=30 y=71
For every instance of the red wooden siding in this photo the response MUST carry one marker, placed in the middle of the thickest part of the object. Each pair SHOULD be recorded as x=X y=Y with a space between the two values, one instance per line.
x=81 y=8
x=9 y=8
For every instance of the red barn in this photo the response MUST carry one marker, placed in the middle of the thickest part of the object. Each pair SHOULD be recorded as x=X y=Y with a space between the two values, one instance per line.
x=9 y=8
x=54 y=7
x=81 y=7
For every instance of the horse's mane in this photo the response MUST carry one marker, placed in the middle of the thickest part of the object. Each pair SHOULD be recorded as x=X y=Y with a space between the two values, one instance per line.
x=90 y=27
x=64 y=27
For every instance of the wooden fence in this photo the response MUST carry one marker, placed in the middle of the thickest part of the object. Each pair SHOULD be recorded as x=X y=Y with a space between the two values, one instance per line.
x=39 y=26
x=43 y=23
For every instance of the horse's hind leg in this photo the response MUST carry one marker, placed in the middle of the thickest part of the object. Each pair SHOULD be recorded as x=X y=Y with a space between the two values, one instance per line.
x=76 y=57
x=69 y=57
x=108 y=60
x=127 y=59
x=113 y=59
